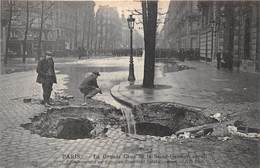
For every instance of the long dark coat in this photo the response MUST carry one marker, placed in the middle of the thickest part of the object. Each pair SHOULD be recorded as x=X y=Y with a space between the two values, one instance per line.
x=46 y=72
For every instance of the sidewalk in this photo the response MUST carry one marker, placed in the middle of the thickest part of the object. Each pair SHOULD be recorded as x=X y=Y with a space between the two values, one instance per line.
x=203 y=86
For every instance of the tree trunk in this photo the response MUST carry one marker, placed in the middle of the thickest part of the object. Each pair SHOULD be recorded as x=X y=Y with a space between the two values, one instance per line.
x=83 y=29
x=76 y=30
x=96 y=37
x=40 y=35
x=88 y=35
x=8 y=31
x=229 y=34
x=149 y=9
x=257 y=37
x=26 y=32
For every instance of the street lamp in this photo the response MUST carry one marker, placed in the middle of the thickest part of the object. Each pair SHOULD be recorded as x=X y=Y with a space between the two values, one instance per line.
x=131 y=22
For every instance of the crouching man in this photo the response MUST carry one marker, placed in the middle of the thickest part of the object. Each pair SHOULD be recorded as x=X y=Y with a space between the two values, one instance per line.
x=46 y=76
x=89 y=86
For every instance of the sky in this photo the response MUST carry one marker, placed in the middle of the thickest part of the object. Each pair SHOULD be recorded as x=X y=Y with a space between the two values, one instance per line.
x=124 y=5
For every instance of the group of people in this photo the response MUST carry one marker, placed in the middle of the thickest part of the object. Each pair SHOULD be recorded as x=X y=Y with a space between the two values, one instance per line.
x=47 y=77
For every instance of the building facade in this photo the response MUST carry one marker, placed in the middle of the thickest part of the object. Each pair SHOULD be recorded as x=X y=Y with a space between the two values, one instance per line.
x=234 y=31
x=231 y=28
x=181 y=28
x=66 y=26
x=108 y=29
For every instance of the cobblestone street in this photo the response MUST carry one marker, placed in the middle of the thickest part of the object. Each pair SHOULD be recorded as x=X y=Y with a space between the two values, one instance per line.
x=20 y=148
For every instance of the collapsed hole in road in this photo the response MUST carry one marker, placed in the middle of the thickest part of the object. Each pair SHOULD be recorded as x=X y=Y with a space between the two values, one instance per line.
x=71 y=128
x=164 y=119
x=74 y=122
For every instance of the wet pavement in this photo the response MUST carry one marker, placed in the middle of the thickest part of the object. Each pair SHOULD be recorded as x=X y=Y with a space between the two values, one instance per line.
x=21 y=148
x=203 y=86
x=113 y=71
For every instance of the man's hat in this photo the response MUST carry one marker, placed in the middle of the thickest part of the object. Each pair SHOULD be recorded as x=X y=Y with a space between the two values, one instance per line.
x=96 y=73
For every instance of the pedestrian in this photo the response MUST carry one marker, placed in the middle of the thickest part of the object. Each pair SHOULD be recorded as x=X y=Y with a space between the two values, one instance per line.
x=46 y=76
x=89 y=86
x=218 y=60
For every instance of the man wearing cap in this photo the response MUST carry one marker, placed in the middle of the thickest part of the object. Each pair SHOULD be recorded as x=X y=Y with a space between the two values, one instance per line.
x=46 y=76
x=89 y=86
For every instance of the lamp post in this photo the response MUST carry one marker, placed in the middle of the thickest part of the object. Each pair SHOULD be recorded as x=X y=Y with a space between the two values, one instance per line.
x=131 y=77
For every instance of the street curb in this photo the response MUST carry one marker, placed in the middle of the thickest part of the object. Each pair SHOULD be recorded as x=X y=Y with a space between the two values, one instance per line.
x=114 y=91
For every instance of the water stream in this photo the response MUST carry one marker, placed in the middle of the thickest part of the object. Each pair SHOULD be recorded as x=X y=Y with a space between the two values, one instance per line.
x=129 y=117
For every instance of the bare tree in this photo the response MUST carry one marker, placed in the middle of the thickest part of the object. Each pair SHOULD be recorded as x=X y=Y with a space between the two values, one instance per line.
x=76 y=29
x=45 y=13
x=149 y=11
x=11 y=4
x=40 y=33
x=26 y=32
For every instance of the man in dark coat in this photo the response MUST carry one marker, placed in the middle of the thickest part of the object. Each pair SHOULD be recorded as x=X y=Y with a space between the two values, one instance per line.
x=46 y=76
x=89 y=86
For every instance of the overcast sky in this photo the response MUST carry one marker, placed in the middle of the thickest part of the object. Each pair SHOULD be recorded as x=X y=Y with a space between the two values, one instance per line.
x=124 y=5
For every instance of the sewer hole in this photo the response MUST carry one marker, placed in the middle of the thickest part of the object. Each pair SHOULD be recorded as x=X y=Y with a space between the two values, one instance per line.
x=73 y=122
x=74 y=129
x=153 y=129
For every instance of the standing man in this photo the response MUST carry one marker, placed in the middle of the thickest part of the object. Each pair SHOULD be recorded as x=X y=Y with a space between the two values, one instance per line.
x=46 y=76
x=89 y=86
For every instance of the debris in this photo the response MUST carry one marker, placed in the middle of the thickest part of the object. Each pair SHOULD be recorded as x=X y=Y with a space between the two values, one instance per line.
x=234 y=131
x=206 y=127
x=173 y=136
x=185 y=135
x=163 y=139
x=216 y=116
x=138 y=137
x=224 y=138
x=67 y=97
x=60 y=95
